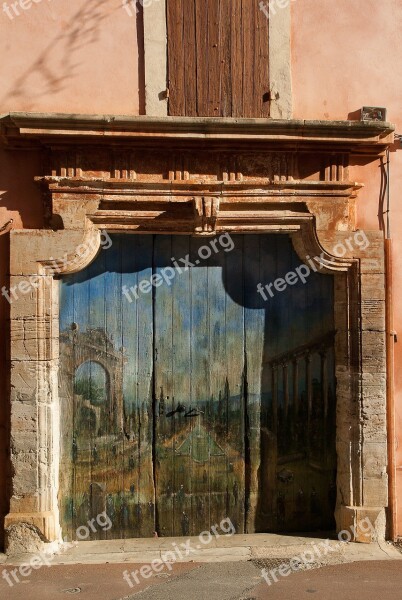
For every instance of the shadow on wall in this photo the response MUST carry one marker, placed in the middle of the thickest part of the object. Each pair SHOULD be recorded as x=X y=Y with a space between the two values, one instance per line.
x=82 y=30
x=141 y=61
x=4 y=386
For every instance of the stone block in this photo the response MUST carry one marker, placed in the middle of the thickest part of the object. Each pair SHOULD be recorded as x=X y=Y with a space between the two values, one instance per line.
x=24 y=417
x=72 y=249
x=375 y=491
x=35 y=349
x=24 y=441
x=372 y=286
x=375 y=264
x=25 y=479
x=365 y=523
x=29 y=532
x=23 y=504
x=373 y=315
x=374 y=460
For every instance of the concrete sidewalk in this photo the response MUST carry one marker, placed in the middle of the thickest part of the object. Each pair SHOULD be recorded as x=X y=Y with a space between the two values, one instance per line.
x=228 y=568
x=223 y=548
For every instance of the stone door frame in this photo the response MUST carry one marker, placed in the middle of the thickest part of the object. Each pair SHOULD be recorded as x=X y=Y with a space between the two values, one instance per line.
x=176 y=193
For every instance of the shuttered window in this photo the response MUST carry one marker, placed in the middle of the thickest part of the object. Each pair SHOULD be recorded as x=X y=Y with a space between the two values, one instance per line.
x=217 y=58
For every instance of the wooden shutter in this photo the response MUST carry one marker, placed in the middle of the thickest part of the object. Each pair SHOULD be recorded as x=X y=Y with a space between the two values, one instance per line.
x=217 y=58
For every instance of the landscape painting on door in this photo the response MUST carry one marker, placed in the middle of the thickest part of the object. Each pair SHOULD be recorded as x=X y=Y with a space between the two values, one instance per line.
x=194 y=398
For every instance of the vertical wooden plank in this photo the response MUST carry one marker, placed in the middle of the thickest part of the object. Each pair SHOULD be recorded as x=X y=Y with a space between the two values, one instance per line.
x=202 y=11
x=287 y=324
x=236 y=376
x=269 y=406
x=225 y=66
x=78 y=292
x=184 y=477
x=84 y=441
x=189 y=52
x=164 y=402
x=260 y=100
x=295 y=407
x=237 y=59
x=130 y=335
x=145 y=391
x=205 y=473
x=111 y=450
x=137 y=335
x=214 y=65
x=68 y=454
x=295 y=335
x=101 y=338
x=254 y=326
x=89 y=314
x=248 y=42
x=176 y=56
x=222 y=407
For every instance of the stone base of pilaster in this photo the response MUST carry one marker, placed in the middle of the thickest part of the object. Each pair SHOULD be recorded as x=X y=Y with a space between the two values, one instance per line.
x=31 y=532
x=364 y=524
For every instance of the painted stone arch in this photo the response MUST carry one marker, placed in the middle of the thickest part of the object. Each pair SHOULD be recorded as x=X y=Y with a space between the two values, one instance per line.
x=92 y=396
x=93 y=347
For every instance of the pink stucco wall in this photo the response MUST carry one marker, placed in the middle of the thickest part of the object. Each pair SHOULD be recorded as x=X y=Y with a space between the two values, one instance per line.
x=69 y=56
x=348 y=54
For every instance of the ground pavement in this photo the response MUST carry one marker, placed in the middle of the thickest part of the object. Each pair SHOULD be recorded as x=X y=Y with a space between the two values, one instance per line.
x=238 y=568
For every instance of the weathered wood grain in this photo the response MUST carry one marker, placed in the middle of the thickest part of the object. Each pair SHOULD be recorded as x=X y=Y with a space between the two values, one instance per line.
x=217 y=58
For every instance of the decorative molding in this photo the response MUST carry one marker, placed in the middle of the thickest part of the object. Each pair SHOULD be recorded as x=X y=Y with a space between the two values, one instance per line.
x=370 y=137
x=206 y=214
x=181 y=206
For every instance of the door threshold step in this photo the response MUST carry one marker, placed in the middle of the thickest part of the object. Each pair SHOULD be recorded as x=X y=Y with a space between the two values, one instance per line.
x=256 y=547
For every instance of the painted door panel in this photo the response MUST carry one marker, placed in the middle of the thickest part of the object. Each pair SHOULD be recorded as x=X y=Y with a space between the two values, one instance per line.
x=200 y=461
x=196 y=399
x=108 y=466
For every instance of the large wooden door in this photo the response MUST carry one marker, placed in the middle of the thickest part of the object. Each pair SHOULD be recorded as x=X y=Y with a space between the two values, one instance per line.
x=194 y=398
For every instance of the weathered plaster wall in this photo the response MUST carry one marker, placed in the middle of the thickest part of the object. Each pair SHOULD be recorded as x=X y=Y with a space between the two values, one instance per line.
x=347 y=55
x=72 y=57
